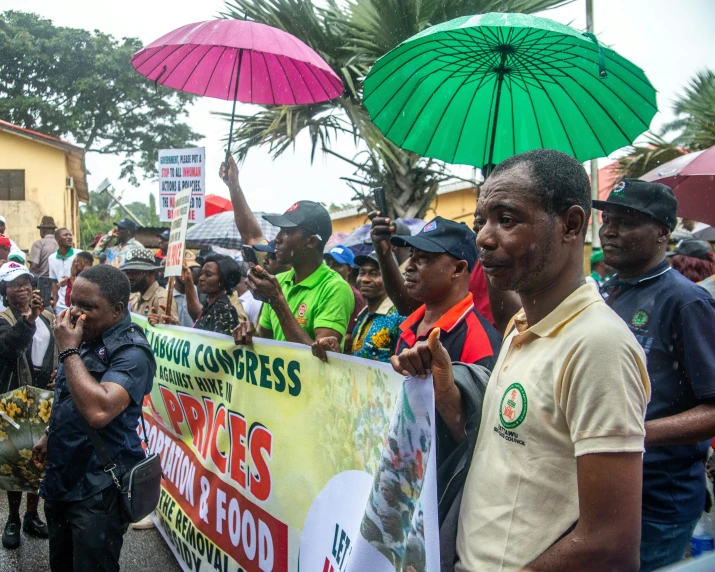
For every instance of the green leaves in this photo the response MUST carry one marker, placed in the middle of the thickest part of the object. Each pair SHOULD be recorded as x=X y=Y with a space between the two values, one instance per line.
x=75 y=84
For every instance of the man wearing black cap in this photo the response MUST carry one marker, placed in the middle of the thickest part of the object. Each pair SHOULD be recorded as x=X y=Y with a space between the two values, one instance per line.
x=309 y=302
x=146 y=293
x=437 y=273
x=116 y=255
x=672 y=319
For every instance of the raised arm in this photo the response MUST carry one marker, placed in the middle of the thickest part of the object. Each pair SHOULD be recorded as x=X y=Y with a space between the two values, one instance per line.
x=381 y=231
x=246 y=222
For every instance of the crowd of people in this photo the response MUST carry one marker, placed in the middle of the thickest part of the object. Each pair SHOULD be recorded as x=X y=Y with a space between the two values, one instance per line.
x=584 y=451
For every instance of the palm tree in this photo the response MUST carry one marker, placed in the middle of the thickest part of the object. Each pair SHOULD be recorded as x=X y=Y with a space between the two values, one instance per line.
x=695 y=125
x=351 y=35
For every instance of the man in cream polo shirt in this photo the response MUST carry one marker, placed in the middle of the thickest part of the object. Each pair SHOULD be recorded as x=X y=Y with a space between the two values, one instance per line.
x=555 y=478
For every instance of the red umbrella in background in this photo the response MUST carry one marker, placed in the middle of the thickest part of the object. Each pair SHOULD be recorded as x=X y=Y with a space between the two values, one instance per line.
x=216 y=204
x=692 y=178
x=240 y=61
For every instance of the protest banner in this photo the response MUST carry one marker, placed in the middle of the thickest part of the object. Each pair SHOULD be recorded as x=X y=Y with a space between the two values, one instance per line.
x=177 y=234
x=276 y=461
x=181 y=169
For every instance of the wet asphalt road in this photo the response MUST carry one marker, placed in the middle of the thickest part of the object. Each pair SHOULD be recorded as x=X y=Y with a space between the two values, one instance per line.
x=144 y=550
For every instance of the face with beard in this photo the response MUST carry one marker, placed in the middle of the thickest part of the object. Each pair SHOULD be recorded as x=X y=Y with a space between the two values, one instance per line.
x=139 y=280
x=517 y=237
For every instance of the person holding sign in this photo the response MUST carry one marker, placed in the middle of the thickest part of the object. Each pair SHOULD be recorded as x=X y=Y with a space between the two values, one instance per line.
x=219 y=276
x=146 y=295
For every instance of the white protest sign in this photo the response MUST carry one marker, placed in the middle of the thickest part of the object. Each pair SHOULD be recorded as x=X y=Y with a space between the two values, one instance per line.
x=181 y=169
x=177 y=235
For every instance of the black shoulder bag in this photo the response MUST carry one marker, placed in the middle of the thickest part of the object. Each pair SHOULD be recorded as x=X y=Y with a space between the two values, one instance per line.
x=140 y=486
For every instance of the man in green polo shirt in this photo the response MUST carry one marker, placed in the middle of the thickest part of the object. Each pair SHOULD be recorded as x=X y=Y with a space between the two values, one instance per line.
x=310 y=301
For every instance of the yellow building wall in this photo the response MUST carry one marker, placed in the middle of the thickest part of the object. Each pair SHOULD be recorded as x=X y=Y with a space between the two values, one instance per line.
x=45 y=191
x=458 y=206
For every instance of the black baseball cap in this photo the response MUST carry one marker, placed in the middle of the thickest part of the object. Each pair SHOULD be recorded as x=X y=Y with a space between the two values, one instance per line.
x=164 y=234
x=692 y=247
x=653 y=199
x=361 y=259
x=126 y=223
x=307 y=215
x=442 y=235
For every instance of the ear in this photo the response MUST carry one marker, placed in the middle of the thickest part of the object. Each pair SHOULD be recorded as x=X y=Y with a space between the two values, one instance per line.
x=663 y=234
x=574 y=221
x=313 y=242
x=119 y=308
x=460 y=269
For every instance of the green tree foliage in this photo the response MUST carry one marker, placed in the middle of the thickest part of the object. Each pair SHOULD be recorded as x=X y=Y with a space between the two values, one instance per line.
x=694 y=129
x=68 y=82
x=351 y=35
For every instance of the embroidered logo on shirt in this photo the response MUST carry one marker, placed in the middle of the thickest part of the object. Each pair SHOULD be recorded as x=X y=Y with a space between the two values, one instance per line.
x=513 y=406
x=302 y=309
x=639 y=319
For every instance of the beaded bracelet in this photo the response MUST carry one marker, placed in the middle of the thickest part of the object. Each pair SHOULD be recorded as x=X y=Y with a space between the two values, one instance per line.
x=65 y=354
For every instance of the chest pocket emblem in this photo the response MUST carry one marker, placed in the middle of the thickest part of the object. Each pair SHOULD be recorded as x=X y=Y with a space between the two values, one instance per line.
x=513 y=406
x=639 y=319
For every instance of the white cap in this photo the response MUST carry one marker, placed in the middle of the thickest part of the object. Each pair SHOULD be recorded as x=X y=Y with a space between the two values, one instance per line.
x=12 y=270
x=2 y=219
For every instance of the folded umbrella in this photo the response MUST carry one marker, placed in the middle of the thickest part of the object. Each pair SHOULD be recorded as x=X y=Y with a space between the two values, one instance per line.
x=692 y=178
x=479 y=89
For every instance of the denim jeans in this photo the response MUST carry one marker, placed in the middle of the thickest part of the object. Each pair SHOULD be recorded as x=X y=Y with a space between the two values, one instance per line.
x=664 y=544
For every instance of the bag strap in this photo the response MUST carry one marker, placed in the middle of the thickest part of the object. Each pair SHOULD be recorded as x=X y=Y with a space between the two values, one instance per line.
x=100 y=448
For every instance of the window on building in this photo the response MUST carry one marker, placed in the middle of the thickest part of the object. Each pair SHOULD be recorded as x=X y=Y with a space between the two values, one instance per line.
x=12 y=185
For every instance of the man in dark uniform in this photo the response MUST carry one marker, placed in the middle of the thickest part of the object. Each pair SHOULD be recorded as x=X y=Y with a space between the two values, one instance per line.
x=106 y=369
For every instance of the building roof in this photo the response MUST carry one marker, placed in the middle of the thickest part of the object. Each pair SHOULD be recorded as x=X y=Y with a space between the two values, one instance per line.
x=73 y=153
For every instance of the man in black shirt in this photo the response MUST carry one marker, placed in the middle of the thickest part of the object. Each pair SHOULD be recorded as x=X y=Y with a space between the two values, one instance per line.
x=106 y=369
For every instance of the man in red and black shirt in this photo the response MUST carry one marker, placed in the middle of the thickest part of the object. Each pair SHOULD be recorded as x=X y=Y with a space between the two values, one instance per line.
x=442 y=256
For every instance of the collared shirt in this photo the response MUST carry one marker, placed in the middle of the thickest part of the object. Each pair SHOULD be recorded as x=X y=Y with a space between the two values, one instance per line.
x=60 y=268
x=182 y=311
x=120 y=355
x=572 y=384
x=357 y=308
x=154 y=297
x=466 y=334
x=674 y=320
x=478 y=288
x=40 y=253
x=114 y=255
x=251 y=305
x=220 y=317
x=709 y=285
x=375 y=335
x=322 y=300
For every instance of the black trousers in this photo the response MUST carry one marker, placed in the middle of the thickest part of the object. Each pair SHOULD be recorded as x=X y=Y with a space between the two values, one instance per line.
x=86 y=535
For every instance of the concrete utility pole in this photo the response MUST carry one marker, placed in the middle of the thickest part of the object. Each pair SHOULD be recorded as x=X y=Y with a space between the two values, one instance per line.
x=104 y=187
x=595 y=223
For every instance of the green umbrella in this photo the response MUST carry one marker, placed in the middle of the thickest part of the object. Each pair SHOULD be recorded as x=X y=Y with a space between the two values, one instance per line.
x=479 y=89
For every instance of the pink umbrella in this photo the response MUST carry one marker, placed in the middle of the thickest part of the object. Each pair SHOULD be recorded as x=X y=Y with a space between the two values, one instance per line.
x=240 y=61
x=692 y=178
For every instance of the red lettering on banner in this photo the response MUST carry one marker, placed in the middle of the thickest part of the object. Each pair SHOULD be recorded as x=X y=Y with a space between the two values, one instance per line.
x=192 y=171
x=217 y=456
x=209 y=403
x=195 y=417
x=173 y=409
x=260 y=440
x=237 y=426
x=247 y=533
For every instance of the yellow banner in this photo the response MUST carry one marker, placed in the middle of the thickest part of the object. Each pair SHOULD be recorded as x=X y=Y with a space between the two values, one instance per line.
x=249 y=437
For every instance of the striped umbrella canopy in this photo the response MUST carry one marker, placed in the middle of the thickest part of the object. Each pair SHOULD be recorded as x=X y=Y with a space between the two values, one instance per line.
x=478 y=89
x=220 y=230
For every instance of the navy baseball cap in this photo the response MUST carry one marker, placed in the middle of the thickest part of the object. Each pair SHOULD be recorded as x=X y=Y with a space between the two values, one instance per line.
x=307 y=215
x=341 y=254
x=361 y=259
x=653 y=199
x=126 y=223
x=442 y=235
x=269 y=247
x=164 y=234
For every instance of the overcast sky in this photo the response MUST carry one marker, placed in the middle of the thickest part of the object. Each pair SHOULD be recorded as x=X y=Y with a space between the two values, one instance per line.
x=670 y=40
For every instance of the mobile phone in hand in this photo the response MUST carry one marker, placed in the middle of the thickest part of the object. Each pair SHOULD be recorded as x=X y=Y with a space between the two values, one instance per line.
x=380 y=200
x=249 y=255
